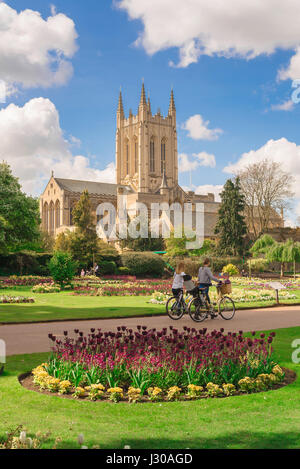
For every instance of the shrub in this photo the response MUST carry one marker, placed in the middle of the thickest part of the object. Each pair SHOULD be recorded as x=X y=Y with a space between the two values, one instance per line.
x=144 y=264
x=258 y=265
x=62 y=268
x=230 y=269
x=108 y=268
x=124 y=271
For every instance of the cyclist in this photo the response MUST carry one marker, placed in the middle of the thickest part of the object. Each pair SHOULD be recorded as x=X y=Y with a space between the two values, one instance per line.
x=177 y=286
x=205 y=278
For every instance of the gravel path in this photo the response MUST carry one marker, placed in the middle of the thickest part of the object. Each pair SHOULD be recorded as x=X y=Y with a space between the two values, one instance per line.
x=33 y=338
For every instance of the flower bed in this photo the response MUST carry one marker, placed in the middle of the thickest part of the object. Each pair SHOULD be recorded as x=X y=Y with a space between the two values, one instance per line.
x=158 y=365
x=28 y=280
x=119 y=288
x=15 y=299
x=46 y=288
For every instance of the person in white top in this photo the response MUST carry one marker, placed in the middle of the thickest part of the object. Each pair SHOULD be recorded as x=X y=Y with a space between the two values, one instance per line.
x=177 y=286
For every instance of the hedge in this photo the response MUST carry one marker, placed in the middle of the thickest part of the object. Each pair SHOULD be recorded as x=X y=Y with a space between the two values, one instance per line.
x=25 y=263
x=143 y=264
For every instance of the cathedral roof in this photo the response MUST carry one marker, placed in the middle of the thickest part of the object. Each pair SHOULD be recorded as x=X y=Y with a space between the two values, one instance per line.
x=99 y=188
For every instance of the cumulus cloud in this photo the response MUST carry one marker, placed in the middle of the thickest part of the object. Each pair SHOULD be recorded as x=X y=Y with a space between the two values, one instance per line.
x=199 y=159
x=280 y=151
x=198 y=129
x=233 y=28
x=33 y=143
x=35 y=52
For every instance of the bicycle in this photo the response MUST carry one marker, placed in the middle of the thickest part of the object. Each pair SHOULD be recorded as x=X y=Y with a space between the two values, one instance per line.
x=200 y=309
x=177 y=306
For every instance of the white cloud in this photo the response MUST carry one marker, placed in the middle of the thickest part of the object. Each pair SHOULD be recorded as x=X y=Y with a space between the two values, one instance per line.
x=185 y=164
x=293 y=70
x=210 y=189
x=285 y=106
x=35 y=52
x=280 y=151
x=200 y=159
x=206 y=159
x=32 y=142
x=198 y=129
x=231 y=28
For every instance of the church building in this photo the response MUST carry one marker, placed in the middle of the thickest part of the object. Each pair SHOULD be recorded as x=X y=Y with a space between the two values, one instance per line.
x=146 y=171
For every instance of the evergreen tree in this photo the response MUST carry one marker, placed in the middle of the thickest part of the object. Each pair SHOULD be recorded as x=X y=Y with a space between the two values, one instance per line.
x=231 y=226
x=19 y=214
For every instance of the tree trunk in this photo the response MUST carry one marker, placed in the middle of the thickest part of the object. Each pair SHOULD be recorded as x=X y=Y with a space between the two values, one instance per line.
x=282 y=270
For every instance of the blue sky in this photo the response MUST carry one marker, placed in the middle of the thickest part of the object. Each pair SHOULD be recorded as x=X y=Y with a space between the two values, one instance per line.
x=235 y=94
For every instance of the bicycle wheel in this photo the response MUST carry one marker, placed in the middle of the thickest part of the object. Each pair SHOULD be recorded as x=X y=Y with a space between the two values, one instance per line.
x=197 y=312
x=226 y=308
x=174 y=308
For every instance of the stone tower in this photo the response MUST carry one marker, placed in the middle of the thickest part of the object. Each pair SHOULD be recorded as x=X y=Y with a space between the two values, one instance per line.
x=146 y=148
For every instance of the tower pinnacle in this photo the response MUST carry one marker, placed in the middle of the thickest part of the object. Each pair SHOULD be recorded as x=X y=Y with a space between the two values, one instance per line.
x=120 y=105
x=143 y=102
x=172 y=107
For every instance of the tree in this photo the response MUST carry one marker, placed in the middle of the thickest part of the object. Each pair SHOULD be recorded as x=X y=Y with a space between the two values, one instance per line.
x=275 y=254
x=140 y=244
x=267 y=190
x=83 y=243
x=62 y=268
x=19 y=213
x=262 y=245
x=291 y=253
x=231 y=226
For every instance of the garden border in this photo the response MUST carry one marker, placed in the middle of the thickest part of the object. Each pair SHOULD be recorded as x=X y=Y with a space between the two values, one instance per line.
x=290 y=378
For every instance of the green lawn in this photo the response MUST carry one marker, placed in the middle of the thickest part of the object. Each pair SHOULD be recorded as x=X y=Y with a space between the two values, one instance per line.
x=65 y=305
x=264 y=420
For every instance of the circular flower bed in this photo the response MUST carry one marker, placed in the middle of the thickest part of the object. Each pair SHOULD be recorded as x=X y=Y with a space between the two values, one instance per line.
x=150 y=365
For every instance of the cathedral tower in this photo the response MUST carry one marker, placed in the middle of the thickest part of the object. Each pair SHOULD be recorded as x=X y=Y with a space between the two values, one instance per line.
x=146 y=147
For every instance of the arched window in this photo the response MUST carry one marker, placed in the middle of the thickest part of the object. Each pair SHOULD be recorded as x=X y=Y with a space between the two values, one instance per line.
x=136 y=156
x=163 y=155
x=127 y=157
x=152 y=156
x=51 y=217
x=57 y=214
x=46 y=217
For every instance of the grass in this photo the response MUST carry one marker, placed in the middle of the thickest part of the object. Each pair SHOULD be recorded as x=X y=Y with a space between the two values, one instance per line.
x=66 y=306
x=264 y=420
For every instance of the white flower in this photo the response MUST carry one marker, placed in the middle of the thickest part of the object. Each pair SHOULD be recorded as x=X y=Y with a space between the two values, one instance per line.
x=127 y=447
x=23 y=438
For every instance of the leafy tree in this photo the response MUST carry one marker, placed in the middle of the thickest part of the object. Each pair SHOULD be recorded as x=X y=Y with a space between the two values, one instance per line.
x=262 y=245
x=62 y=268
x=176 y=247
x=275 y=254
x=84 y=241
x=19 y=213
x=231 y=226
x=62 y=242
